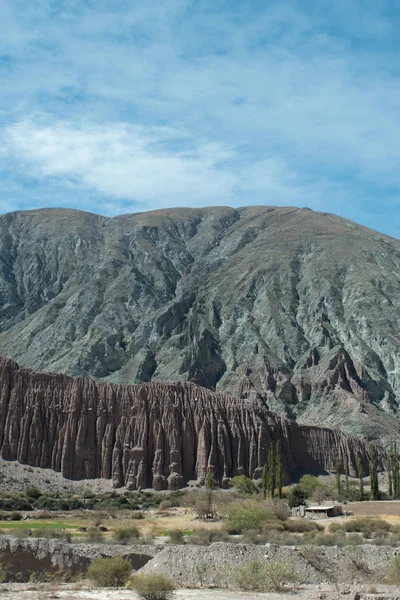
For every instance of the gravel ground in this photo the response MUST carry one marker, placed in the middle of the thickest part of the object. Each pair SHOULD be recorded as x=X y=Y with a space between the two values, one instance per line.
x=29 y=592
x=220 y=562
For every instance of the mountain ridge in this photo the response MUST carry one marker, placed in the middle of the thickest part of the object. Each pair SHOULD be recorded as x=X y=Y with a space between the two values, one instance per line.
x=297 y=309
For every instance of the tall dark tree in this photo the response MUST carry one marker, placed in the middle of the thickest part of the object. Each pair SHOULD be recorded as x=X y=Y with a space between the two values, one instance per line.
x=360 y=474
x=395 y=472
x=373 y=472
x=346 y=474
x=264 y=481
x=271 y=471
x=278 y=468
x=338 y=467
x=390 y=470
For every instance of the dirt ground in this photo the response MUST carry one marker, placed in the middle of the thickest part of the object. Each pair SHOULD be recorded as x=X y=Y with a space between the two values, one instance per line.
x=383 y=508
x=29 y=592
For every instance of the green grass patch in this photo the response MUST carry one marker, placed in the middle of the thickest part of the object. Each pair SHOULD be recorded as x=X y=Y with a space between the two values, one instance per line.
x=30 y=524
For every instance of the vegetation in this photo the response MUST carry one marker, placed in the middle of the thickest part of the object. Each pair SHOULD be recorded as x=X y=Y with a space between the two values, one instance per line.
x=373 y=472
x=393 y=571
x=244 y=485
x=259 y=577
x=126 y=535
x=246 y=516
x=110 y=572
x=152 y=586
x=360 y=478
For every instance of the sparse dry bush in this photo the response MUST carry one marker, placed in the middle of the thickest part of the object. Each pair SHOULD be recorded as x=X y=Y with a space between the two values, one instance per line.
x=176 y=536
x=126 y=535
x=302 y=526
x=393 y=571
x=152 y=586
x=110 y=572
x=208 y=536
x=367 y=526
x=259 y=577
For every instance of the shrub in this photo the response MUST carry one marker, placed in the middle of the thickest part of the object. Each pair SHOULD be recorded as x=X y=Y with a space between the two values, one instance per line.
x=208 y=536
x=258 y=577
x=176 y=536
x=152 y=586
x=124 y=535
x=33 y=492
x=110 y=572
x=3 y=574
x=94 y=535
x=280 y=509
x=246 y=516
x=367 y=526
x=16 y=516
x=244 y=485
x=300 y=526
x=393 y=571
x=297 y=496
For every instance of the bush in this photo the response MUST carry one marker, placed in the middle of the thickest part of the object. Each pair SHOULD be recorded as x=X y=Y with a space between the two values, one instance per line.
x=393 y=571
x=124 y=535
x=208 y=536
x=33 y=492
x=246 y=516
x=368 y=526
x=300 y=526
x=258 y=577
x=176 y=536
x=297 y=496
x=152 y=586
x=94 y=535
x=244 y=485
x=110 y=572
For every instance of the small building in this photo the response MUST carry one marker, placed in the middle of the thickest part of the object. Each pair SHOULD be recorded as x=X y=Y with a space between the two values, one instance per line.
x=317 y=512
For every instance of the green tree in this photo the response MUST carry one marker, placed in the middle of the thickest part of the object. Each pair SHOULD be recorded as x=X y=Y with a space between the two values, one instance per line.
x=271 y=471
x=264 y=481
x=346 y=474
x=338 y=480
x=373 y=472
x=278 y=468
x=360 y=477
x=390 y=470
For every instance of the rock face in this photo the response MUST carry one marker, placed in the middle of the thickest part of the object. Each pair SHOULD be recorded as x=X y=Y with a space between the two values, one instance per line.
x=300 y=310
x=154 y=434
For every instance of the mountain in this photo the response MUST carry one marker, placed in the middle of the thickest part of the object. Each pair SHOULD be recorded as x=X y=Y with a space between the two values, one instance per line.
x=156 y=434
x=295 y=310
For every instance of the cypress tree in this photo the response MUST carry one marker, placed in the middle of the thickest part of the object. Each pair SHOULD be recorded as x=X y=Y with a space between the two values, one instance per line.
x=373 y=473
x=390 y=467
x=346 y=474
x=360 y=477
x=278 y=468
x=395 y=472
x=338 y=481
x=264 y=481
x=271 y=471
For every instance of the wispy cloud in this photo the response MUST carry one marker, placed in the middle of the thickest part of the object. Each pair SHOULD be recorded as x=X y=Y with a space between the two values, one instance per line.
x=179 y=102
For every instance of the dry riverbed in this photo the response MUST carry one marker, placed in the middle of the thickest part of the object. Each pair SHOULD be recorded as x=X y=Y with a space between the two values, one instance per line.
x=324 y=592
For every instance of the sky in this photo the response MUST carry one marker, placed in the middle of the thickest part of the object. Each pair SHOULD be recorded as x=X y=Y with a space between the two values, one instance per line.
x=121 y=106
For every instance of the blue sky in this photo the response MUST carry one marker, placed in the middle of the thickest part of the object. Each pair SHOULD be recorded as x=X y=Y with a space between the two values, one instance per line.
x=118 y=106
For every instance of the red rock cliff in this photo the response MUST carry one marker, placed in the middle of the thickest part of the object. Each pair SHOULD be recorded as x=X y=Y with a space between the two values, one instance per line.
x=156 y=434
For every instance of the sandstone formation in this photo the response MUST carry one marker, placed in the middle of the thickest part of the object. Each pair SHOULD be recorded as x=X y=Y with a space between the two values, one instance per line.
x=296 y=308
x=156 y=434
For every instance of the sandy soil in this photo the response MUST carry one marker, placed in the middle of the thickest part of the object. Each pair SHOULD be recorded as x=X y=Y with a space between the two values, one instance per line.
x=26 y=592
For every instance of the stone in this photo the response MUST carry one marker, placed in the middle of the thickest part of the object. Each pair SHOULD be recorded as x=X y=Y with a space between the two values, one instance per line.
x=154 y=434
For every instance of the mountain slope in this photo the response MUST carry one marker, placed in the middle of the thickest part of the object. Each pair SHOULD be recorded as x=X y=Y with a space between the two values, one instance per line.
x=296 y=309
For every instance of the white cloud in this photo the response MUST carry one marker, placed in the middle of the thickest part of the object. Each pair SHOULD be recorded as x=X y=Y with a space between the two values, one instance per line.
x=153 y=167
